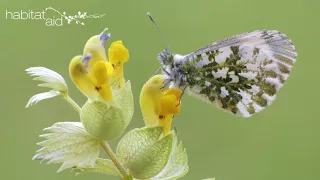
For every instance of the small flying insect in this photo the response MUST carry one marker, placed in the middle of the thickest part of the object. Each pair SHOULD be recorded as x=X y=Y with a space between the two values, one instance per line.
x=241 y=74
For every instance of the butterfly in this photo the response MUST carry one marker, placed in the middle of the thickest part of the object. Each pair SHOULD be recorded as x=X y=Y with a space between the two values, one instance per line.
x=241 y=74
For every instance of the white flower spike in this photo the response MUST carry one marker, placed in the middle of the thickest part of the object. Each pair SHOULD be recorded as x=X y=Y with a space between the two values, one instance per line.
x=51 y=80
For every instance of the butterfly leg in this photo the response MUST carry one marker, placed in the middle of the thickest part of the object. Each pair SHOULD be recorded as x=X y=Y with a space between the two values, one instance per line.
x=184 y=89
x=157 y=71
x=165 y=85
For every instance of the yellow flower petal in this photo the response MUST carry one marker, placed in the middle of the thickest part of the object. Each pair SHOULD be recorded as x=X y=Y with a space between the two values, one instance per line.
x=105 y=92
x=169 y=106
x=101 y=72
x=118 y=54
x=80 y=77
x=170 y=102
x=110 y=69
x=150 y=97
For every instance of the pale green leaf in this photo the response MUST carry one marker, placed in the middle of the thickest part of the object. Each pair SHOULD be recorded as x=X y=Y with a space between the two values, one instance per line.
x=68 y=143
x=101 y=166
x=124 y=99
x=177 y=165
x=144 y=152
x=102 y=120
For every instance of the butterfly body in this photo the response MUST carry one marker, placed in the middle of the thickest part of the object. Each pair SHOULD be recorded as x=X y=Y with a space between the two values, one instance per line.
x=241 y=74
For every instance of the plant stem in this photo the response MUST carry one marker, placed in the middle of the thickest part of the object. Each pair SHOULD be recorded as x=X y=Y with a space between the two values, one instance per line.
x=113 y=157
x=71 y=102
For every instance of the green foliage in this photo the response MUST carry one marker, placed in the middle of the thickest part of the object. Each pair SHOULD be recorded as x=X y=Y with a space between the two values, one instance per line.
x=147 y=154
x=144 y=152
x=102 y=120
x=124 y=99
x=177 y=165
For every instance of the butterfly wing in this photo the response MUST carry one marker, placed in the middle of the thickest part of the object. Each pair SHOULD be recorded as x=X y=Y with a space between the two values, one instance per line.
x=241 y=74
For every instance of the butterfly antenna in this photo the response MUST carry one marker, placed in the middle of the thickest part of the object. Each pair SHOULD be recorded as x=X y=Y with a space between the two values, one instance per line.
x=155 y=24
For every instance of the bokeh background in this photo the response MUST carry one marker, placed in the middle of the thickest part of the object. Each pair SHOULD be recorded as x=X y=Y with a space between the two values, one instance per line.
x=281 y=142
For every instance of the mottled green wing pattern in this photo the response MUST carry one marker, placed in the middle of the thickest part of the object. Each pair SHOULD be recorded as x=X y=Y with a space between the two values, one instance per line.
x=241 y=74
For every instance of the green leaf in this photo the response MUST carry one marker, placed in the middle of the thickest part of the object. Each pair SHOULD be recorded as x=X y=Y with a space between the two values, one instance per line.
x=144 y=152
x=209 y=179
x=102 y=120
x=177 y=165
x=70 y=144
x=124 y=99
x=101 y=166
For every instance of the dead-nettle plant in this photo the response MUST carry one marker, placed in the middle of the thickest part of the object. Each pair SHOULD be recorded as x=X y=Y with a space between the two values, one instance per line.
x=151 y=152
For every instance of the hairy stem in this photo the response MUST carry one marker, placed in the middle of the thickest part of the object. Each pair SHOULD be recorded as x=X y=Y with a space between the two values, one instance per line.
x=113 y=157
x=71 y=102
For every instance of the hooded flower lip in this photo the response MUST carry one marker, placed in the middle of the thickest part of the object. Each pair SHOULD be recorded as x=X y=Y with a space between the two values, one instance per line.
x=158 y=106
x=95 y=47
x=93 y=73
x=51 y=80
x=150 y=96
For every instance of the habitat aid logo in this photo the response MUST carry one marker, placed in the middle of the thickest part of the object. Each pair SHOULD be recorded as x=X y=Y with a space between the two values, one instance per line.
x=51 y=16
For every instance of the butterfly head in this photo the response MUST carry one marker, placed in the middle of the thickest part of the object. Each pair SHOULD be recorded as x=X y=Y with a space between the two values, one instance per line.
x=172 y=68
x=165 y=57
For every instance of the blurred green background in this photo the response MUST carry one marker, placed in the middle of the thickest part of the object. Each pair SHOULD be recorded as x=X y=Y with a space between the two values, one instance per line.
x=281 y=142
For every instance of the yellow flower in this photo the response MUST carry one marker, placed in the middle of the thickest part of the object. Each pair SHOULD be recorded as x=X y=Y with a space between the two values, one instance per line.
x=118 y=54
x=150 y=96
x=93 y=82
x=158 y=107
x=93 y=73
